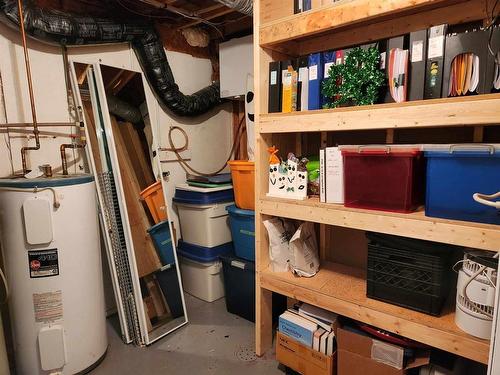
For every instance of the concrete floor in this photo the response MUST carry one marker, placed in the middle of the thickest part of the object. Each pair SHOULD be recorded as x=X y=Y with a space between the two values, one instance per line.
x=213 y=342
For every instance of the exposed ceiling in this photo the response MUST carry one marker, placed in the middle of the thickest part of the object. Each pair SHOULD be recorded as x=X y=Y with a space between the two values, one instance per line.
x=218 y=20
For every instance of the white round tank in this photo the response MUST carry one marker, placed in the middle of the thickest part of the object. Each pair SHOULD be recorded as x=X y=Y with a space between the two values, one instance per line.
x=53 y=266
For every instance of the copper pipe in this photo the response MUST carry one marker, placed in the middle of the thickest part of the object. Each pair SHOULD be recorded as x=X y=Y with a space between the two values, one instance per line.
x=30 y=88
x=44 y=124
x=82 y=144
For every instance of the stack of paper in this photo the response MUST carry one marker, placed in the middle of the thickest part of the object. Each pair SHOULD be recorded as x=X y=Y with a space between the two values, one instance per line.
x=464 y=76
x=301 y=324
x=331 y=175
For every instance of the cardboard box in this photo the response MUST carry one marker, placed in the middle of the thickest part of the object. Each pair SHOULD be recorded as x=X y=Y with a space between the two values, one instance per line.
x=303 y=359
x=362 y=355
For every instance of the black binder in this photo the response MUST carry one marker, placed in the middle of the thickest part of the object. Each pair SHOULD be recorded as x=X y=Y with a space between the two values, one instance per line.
x=401 y=42
x=475 y=42
x=418 y=58
x=435 y=61
x=302 y=62
x=274 y=87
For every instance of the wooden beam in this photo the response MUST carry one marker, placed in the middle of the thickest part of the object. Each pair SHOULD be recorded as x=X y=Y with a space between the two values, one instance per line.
x=337 y=15
x=412 y=225
x=454 y=14
x=147 y=259
x=459 y=111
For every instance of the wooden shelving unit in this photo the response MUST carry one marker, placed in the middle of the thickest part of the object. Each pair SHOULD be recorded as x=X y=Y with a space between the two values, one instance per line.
x=343 y=289
x=470 y=110
x=414 y=225
x=336 y=287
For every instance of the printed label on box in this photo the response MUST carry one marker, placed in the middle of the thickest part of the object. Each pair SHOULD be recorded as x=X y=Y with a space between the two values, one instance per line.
x=48 y=306
x=436 y=44
x=302 y=74
x=43 y=263
x=274 y=77
x=327 y=68
x=313 y=72
x=417 y=51
x=390 y=355
x=382 y=60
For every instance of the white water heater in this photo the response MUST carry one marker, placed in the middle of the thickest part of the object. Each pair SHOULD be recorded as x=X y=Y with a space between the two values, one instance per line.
x=50 y=241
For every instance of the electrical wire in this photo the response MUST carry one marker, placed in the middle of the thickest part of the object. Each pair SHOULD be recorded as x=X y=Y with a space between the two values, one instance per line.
x=186 y=166
x=173 y=10
x=491 y=25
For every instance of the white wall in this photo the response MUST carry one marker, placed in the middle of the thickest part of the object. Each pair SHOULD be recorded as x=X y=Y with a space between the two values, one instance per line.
x=210 y=136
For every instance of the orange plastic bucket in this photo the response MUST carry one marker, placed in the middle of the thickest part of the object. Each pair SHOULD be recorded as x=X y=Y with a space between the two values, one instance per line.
x=153 y=196
x=243 y=175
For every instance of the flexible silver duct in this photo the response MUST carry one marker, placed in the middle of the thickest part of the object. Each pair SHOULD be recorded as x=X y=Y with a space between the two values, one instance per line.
x=242 y=6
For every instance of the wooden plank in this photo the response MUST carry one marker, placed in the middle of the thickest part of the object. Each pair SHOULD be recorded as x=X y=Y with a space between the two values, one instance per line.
x=147 y=259
x=389 y=136
x=471 y=110
x=140 y=162
x=413 y=225
x=337 y=15
x=342 y=289
x=160 y=305
x=90 y=123
x=478 y=134
x=263 y=300
x=453 y=14
x=271 y=10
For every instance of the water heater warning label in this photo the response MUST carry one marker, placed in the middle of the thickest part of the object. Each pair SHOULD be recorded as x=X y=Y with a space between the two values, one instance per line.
x=43 y=263
x=48 y=306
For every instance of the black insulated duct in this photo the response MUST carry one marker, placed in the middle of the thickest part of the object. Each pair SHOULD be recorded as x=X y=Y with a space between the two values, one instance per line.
x=61 y=28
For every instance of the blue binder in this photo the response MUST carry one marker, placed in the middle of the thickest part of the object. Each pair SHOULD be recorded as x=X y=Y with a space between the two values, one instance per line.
x=328 y=60
x=316 y=73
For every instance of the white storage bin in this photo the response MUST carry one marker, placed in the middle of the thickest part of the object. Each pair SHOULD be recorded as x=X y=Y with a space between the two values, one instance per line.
x=204 y=225
x=202 y=280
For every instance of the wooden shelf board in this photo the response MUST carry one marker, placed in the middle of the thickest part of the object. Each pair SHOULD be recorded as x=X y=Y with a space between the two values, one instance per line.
x=469 y=110
x=339 y=15
x=414 y=225
x=342 y=289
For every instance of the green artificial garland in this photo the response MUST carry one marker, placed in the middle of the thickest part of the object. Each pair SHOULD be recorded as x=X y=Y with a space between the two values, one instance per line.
x=357 y=81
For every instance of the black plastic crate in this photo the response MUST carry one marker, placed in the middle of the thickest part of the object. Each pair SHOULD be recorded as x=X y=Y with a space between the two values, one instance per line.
x=239 y=285
x=411 y=273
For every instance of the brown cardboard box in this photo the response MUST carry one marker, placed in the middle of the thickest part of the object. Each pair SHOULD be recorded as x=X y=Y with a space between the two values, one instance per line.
x=303 y=359
x=361 y=355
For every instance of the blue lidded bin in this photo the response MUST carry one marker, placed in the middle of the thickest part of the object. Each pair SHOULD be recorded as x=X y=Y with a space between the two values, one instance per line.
x=454 y=174
x=242 y=223
x=201 y=253
x=196 y=195
x=160 y=234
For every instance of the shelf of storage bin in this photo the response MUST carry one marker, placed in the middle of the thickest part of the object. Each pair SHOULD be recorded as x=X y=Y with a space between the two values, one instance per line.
x=351 y=22
x=468 y=110
x=342 y=289
x=413 y=225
